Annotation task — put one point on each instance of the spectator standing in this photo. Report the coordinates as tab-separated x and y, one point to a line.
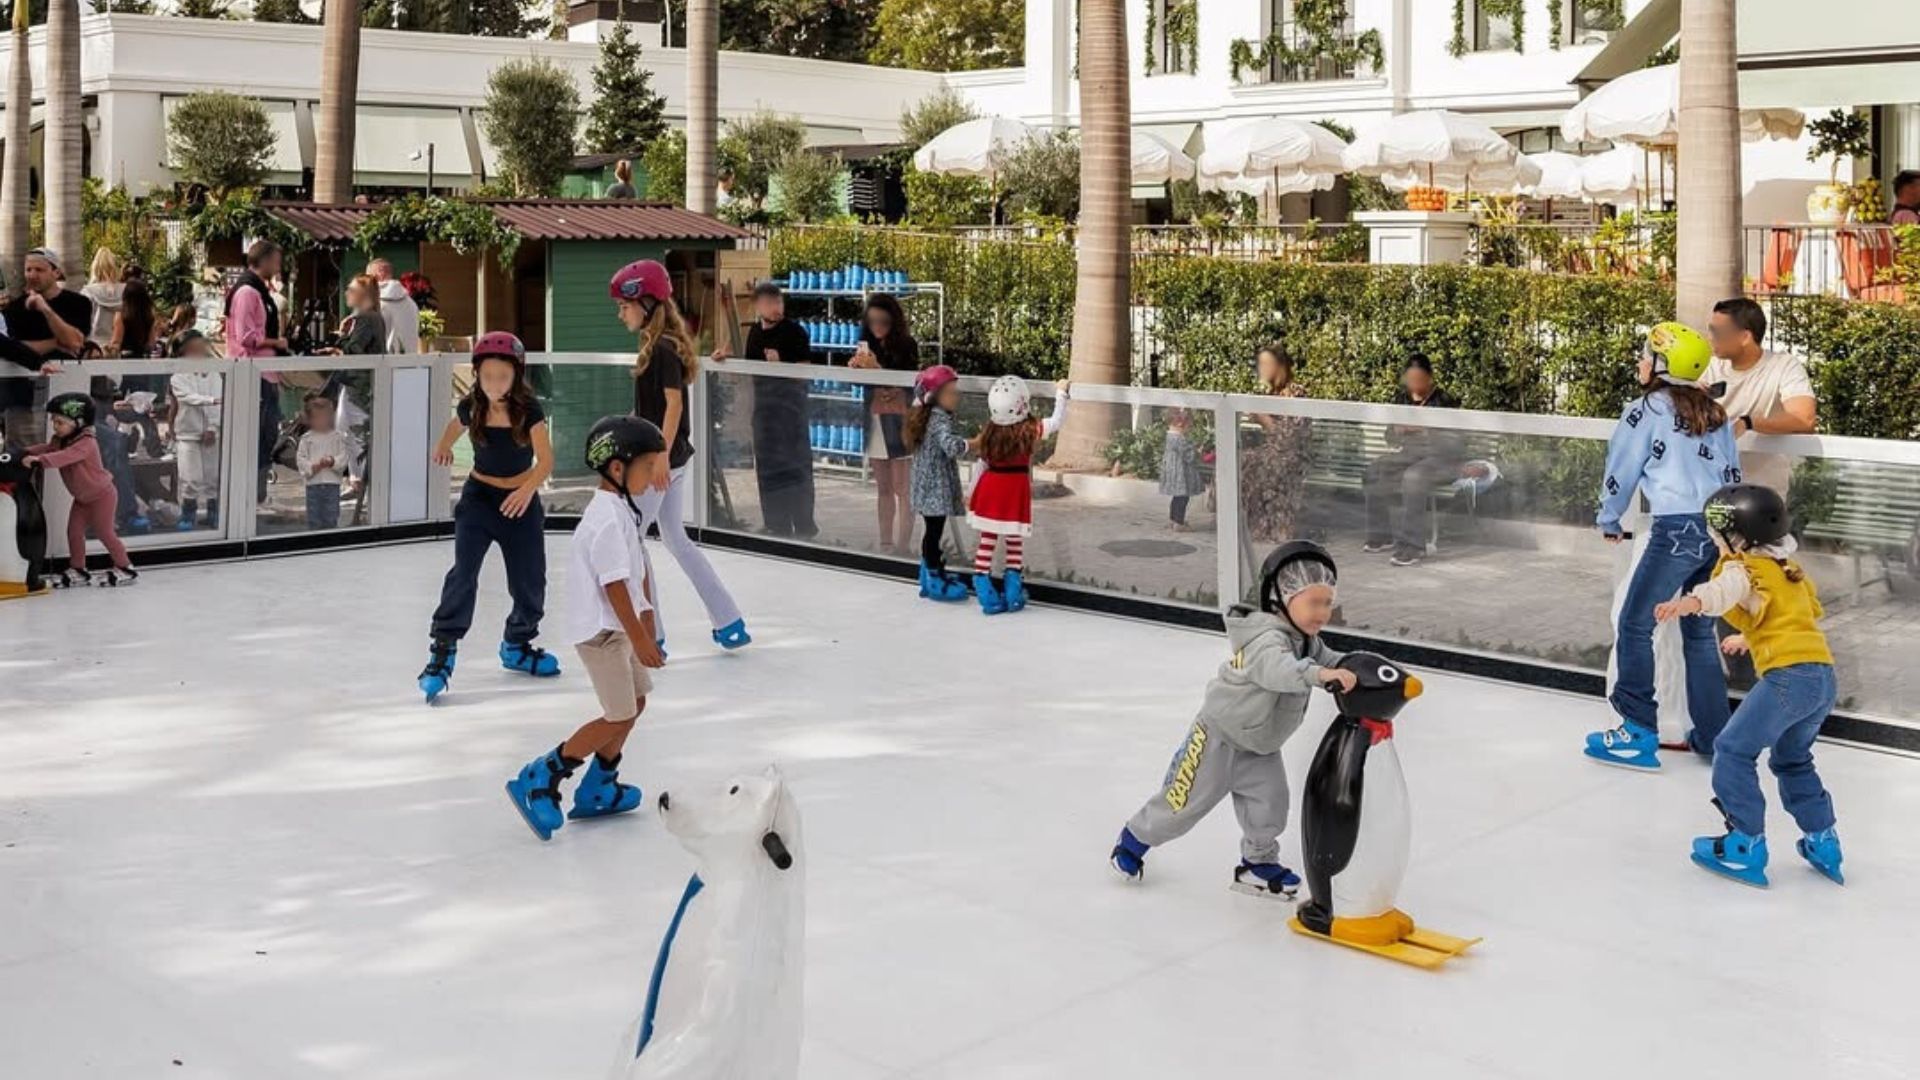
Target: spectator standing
326	458
398	308
1273	468
782	456
622	187
364	331
885	342
1423	458
196	432
1762	392
253	333
1906	198
105	288
133	330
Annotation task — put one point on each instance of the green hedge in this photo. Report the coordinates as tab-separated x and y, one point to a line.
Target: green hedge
1504	339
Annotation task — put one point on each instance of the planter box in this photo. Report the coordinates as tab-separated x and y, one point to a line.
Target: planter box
1416	237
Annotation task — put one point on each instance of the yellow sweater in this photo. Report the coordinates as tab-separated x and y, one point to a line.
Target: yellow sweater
1779	617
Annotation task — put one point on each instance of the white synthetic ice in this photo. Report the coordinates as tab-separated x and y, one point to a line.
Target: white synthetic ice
231	834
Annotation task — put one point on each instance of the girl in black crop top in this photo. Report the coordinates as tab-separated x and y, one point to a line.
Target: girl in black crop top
500	504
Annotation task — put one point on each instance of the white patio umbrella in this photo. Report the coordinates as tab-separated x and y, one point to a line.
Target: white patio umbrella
1274	156
1440	148
1517	178
1157	161
975	148
1559	175
1624	174
1643	107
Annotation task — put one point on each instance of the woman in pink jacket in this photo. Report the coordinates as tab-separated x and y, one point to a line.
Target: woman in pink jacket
76	453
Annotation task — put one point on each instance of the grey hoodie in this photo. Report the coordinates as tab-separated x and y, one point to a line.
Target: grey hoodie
1260	695
402	316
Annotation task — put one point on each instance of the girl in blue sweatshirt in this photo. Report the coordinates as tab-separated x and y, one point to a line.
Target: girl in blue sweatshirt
1675	447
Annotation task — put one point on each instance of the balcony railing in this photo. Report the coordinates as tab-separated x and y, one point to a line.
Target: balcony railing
1856	262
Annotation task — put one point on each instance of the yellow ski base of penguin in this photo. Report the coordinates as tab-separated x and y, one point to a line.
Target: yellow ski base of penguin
1422	948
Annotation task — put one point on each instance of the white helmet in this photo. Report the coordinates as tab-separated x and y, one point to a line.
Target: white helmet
1009	401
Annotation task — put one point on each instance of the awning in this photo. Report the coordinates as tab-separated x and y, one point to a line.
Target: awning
326	224
387	136
286	159
1647	33
576	219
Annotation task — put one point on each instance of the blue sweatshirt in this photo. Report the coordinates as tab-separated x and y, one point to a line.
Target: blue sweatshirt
1650	450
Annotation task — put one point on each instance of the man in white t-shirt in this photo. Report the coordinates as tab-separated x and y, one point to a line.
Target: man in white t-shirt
1764	392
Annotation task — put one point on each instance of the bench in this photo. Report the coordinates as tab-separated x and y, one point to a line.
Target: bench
1342	452
1874	513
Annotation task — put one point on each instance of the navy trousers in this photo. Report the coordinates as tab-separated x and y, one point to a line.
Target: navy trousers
477	525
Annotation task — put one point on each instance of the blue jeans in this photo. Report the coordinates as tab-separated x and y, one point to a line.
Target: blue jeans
323	506
1680	556
1783	712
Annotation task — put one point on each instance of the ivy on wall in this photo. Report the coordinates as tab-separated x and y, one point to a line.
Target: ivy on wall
1319	34
1183	32
466	226
1601	15
1515	11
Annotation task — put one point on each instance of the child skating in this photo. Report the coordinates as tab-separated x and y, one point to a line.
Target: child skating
499	504
75	451
1252	706
1764	594
1673	445
611	625
668	362
935	487
1180	475
1001	509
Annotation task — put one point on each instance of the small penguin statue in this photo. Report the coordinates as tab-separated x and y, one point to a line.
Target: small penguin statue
23	527
1356	825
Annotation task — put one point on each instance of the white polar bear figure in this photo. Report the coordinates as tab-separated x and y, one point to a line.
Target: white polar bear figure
724	1001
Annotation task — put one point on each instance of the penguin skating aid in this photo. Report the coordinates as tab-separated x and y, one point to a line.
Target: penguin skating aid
1356	826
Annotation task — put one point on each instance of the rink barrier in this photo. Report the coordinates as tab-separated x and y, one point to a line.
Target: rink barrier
412	397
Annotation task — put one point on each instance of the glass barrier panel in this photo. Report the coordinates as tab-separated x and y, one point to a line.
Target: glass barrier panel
316	432
574	397
1463	539
23	403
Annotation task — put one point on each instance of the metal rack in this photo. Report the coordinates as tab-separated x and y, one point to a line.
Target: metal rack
936	290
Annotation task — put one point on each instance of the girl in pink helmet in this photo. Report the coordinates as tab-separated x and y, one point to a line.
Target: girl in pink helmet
935	486
668	361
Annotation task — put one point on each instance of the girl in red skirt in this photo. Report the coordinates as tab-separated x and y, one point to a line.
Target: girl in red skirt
1002	504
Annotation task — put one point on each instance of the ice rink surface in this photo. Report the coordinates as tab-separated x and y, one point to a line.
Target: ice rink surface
233	843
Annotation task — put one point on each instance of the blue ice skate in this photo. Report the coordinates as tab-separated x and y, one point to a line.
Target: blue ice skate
528	658
536	793
1822	852
733	636
600	792
1628	745
938	587
1129	856
1736	855
1016	591
439	670
1265	879
984	590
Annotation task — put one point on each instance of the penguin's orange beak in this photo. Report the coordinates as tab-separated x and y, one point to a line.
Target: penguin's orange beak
1412	688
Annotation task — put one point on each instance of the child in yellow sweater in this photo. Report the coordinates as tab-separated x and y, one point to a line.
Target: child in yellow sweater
1764	594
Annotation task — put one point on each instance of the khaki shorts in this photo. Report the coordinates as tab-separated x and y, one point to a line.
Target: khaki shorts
618	679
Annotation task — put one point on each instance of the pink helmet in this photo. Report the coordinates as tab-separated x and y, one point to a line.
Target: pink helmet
643	278
500	345
933	380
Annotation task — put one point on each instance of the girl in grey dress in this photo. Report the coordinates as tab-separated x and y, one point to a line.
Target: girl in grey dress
1180	474
934	488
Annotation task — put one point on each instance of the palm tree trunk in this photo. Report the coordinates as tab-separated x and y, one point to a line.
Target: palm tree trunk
1709	263
15	182
1102	346
339	100
703	102
63	167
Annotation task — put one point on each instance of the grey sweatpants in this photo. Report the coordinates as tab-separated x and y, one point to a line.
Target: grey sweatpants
1206	769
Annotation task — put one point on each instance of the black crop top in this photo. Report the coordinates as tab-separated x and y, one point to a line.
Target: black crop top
494	451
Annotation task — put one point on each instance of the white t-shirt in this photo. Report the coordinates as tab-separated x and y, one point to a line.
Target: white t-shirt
606	549
1761	392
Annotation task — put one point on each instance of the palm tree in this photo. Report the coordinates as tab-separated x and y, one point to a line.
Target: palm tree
1709	263
339	97
1102	346
61	178
16	183
703	101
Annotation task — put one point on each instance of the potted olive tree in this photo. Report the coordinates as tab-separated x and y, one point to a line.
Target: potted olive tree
1841	135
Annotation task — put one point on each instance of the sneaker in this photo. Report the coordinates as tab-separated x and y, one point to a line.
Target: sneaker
69	578
1408	557
119	577
1377	547
1627	745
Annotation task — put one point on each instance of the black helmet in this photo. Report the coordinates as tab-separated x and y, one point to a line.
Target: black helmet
75	407
1748	515
1271	601
621	438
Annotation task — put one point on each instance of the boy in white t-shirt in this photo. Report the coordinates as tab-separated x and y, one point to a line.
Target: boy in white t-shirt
1764	392
326	457
612	626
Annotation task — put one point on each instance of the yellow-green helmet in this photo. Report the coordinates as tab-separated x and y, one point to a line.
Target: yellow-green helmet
1680	354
